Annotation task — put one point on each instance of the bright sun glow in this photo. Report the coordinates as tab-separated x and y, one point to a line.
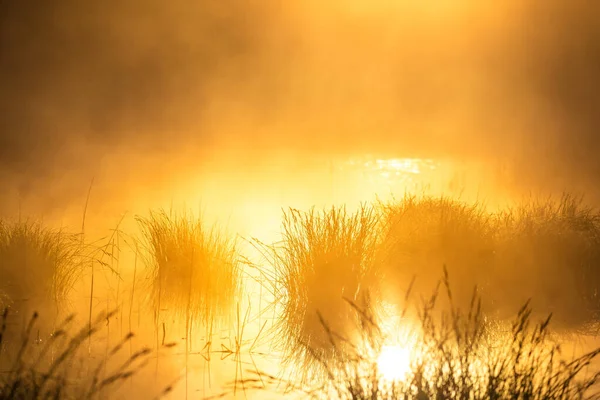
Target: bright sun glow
394	362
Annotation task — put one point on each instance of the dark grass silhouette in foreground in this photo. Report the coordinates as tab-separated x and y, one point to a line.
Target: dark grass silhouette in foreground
536	249
455	355
56	369
545	250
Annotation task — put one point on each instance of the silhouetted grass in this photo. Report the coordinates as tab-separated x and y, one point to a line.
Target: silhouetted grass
194	270
326	275
322	257
454	355
38	265
54	369
422	233
549	250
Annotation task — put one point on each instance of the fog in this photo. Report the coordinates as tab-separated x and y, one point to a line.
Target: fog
138	93
240	107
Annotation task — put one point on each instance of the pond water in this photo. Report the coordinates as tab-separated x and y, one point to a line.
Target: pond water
248	201
252	203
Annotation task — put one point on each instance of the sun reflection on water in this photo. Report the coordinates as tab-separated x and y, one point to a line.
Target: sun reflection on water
252	202
394	362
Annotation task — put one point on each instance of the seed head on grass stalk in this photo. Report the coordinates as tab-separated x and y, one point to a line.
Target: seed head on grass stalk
194	271
323	258
38	265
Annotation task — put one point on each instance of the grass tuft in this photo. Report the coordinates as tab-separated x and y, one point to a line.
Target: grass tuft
556	246
420	234
323	257
38	265
194	271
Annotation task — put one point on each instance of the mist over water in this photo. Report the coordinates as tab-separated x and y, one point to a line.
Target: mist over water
238	108
139	94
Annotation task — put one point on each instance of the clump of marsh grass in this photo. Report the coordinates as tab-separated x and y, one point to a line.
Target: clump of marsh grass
194	271
53	370
556	245
457	355
322	258
422	233
38	265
